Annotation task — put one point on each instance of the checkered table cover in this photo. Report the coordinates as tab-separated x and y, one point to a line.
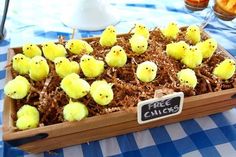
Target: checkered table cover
210	136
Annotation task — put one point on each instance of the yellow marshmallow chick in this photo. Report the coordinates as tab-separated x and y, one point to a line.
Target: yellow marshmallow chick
187	77
64	66
140	29
20	63
108	37
116	57
138	44
39	68
101	92
193	34
52	50
207	47
27	117
171	31
77	46
146	71
18	88
75	111
177	50
90	66
192	58
30	50
74	86
225	70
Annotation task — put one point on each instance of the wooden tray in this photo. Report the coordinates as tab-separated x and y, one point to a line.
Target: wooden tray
112	124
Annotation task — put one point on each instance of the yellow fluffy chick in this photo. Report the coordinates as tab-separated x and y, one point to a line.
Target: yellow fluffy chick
30	50
140	29
192	58
64	66
177	50
193	34
101	92
225	70
52	50
27	122
116	57
138	43
17	88
39	68
171	31
28	110
75	111
77	46
187	77
90	66
108	37
74	86
146	71
20	63
207	47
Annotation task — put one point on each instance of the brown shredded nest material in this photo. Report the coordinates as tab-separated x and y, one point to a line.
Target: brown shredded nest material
49	98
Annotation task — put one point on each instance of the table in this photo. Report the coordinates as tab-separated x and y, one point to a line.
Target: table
213	135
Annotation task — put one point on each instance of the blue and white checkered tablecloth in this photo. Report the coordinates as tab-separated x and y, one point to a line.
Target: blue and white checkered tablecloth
210	136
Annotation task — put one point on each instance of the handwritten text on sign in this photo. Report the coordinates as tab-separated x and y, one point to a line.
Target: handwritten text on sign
159	108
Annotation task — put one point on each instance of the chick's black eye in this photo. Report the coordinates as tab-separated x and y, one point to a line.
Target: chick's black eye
106	96
146	68
82	60
89	59
14	92
21	58
31	45
120	50
143	46
195	48
113	31
46	45
27	48
186	81
100	94
152	69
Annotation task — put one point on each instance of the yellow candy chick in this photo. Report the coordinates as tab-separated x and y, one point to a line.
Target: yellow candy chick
193	34
108	37
30	50
52	50
75	111
146	71
77	46
74	86
177	50
225	70
17	88
20	63
64	66
28	110
39	68
90	66
116	57
192	57
187	77
171	31
138	44
207	47
27	122
140	29
101	92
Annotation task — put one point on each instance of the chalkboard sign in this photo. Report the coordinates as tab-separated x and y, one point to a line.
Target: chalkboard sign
159	108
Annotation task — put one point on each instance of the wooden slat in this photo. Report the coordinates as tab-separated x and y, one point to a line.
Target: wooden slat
97	134
98	122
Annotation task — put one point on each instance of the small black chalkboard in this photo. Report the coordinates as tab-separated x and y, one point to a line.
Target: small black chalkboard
159	108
